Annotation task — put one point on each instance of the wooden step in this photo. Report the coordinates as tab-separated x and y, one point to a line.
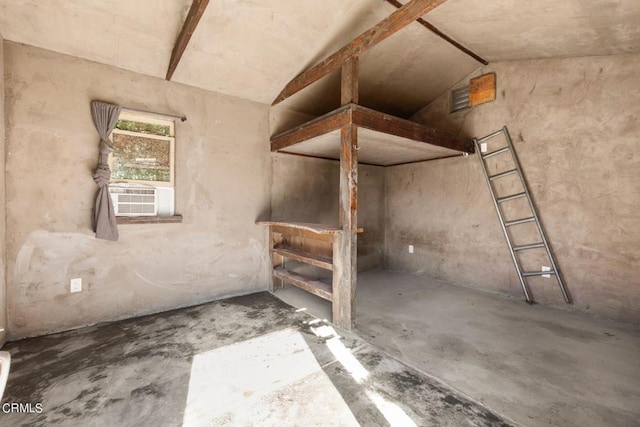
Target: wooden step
316	287
307	258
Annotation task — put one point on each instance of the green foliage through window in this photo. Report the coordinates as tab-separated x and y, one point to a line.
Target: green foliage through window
140	158
133	126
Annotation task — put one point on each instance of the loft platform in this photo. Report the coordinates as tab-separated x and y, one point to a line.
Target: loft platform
383	139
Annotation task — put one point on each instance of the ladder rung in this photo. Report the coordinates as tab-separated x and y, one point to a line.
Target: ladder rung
494	153
511	197
496	133
531	246
537	273
519	221
503	174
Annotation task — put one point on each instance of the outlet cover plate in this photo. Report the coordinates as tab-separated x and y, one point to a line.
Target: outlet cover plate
75	285
545	268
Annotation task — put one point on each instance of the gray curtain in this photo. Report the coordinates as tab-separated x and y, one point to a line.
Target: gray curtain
105	117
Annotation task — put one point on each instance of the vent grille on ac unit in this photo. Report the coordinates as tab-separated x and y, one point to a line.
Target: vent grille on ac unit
134	201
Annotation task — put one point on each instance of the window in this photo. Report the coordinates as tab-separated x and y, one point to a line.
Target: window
459	99
142	166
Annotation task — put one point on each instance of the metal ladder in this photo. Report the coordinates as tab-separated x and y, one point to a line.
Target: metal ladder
506	224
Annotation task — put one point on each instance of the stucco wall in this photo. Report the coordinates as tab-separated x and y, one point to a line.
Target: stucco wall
3	314
576	130
306	190
222	186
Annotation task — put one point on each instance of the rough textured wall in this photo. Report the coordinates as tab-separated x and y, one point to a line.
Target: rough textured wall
222	186
306	190
575	127
3	305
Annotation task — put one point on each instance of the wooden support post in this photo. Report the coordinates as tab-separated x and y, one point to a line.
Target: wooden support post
349	86
346	243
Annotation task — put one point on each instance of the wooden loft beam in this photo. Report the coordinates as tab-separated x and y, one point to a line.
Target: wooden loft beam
365	41
329	122
442	35
371	119
188	28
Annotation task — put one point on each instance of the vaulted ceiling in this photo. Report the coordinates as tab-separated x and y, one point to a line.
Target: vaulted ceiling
252	48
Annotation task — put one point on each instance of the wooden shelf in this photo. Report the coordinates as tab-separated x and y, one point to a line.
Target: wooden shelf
316	287
313	228
321	246
305	257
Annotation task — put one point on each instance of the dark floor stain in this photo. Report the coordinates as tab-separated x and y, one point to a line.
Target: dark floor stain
452	400
406	379
163	350
493	419
97	377
255	314
113	401
148	390
372	360
224	335
91	404
87	392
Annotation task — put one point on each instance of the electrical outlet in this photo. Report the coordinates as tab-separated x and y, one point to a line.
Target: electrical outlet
75	285
410	249
483	147
545	268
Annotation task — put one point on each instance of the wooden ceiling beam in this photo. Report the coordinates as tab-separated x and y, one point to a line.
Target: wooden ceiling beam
188	28
443	36
393	23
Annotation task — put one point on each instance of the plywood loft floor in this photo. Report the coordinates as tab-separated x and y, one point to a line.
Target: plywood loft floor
250	360
537	365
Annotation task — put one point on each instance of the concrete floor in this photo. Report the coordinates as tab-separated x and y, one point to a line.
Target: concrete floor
251	360
536	365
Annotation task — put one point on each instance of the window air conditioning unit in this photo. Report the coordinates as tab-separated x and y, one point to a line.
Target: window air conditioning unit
134	200
142	200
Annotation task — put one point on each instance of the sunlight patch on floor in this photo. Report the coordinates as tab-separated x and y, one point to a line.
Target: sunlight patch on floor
269	381
393	413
